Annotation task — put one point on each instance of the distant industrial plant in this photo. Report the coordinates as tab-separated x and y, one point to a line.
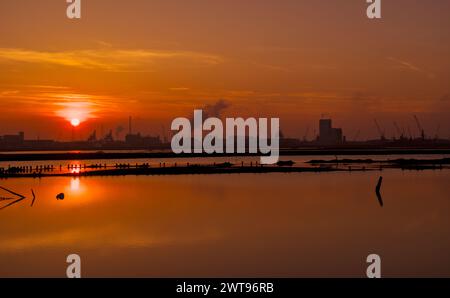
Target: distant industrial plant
328	137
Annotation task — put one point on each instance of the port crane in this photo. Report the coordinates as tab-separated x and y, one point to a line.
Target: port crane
380	131
305	137
419	126
400	132
438	129
356	137
409	133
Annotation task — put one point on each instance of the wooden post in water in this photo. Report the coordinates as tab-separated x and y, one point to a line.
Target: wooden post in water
378	191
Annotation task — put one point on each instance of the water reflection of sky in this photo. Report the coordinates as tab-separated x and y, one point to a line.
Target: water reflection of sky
309	224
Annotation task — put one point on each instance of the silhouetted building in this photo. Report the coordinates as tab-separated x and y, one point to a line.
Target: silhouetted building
13	139
138	140
32	144
14	142
329	135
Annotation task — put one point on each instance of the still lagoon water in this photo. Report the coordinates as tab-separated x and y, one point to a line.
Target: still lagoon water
264	225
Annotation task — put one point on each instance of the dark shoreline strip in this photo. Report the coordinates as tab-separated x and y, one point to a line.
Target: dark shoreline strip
155	155
211	170
193	170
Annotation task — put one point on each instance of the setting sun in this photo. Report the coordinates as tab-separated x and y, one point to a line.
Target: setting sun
75	122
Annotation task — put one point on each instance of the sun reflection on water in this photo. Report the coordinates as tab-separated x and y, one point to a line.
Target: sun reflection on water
75	184
75	170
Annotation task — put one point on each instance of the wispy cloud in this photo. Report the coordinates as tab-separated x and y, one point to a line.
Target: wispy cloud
405	64
411	67
60	101
104	44
179	89
107	59
8	93
49	87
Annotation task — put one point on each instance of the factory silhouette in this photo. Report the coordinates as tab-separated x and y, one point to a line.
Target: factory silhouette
328	137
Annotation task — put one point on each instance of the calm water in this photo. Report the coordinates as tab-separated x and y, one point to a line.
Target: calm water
274	225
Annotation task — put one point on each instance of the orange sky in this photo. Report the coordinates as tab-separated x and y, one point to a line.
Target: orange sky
159	59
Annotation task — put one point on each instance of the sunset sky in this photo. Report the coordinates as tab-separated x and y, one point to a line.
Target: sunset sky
157	60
